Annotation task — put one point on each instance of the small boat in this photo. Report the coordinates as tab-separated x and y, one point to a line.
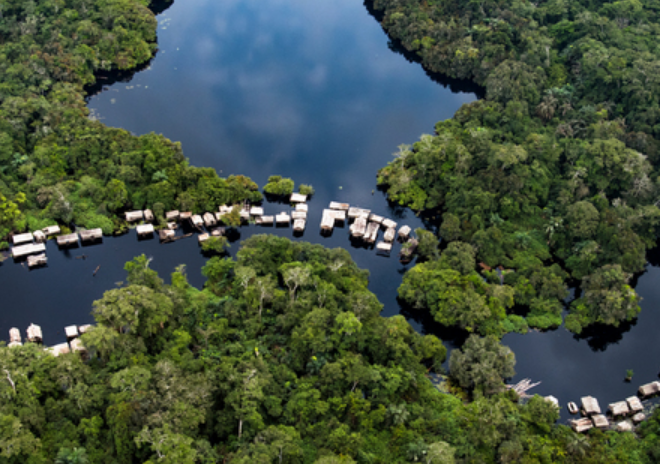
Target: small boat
572	408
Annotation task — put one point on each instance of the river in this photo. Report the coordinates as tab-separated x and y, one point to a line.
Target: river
313	91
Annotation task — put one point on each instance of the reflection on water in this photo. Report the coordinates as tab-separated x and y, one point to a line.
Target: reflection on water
312	91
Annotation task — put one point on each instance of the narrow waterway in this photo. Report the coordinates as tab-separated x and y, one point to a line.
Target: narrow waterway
315	92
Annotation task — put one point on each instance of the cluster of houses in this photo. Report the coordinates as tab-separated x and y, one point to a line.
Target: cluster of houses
622	415
35	335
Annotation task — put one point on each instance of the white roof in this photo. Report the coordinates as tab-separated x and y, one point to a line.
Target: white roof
298	198
22	238
24	250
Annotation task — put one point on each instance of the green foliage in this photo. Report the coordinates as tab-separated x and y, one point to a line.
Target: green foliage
279	186
215	245
306	189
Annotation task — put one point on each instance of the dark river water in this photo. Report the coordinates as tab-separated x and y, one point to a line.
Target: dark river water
313	91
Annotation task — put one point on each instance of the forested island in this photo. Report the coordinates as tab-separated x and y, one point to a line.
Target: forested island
551	180
283	356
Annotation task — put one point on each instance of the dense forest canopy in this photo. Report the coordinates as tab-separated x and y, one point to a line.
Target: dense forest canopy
56	164
281	358
552	178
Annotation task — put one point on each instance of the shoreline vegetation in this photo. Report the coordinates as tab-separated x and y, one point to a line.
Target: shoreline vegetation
549	180
58	165
283	357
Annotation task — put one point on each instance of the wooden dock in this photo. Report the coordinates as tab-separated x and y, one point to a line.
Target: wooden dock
29	249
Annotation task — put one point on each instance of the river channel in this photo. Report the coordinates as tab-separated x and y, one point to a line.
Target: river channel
313	91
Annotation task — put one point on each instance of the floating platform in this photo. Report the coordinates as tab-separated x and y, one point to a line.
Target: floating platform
266	220
282	219
298	198
209	220
148	215
33	333
355	213
22	238
91	235
600	421
37	260
172	215
134	216
389	235
590	405
30	249
166	234
59	349
634	404
582	425
388	223
14	335
404	232
649	389
376	218
384	247
620	408
145	230
67	240
299	215
197	221
51	230
339	206
256	211
371	233
299	225
302	207
71	331
327	221
359	227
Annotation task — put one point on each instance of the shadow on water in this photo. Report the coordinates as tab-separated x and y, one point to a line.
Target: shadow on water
395	45
600	336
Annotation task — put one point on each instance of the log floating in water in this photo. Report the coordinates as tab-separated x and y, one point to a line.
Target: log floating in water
96	270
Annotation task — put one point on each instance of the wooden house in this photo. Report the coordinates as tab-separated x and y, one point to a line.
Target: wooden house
22	238
134	216
298	198
145	230
29	249
91	235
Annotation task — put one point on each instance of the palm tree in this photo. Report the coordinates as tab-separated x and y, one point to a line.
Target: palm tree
72	456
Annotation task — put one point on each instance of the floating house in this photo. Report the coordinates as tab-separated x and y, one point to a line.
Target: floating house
22	238
91	235
339	206
582	425
218	231
186	215
67	240
33	333
600	421
209	220
282	219
301	207
166	234
197	221
37	260
625	426
389	234
39	236
371	233
133	216
59	349
404	232
388	223
590	405
299	225
201	238
376	218
327	220
649	389
639	417
359	227
620	408
634	404
298	198
148	215
298	215
51	230
384	247
145	230
71	331
354	213
266	220
29	249
84	328
14	335
256	211
77	346
172	215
